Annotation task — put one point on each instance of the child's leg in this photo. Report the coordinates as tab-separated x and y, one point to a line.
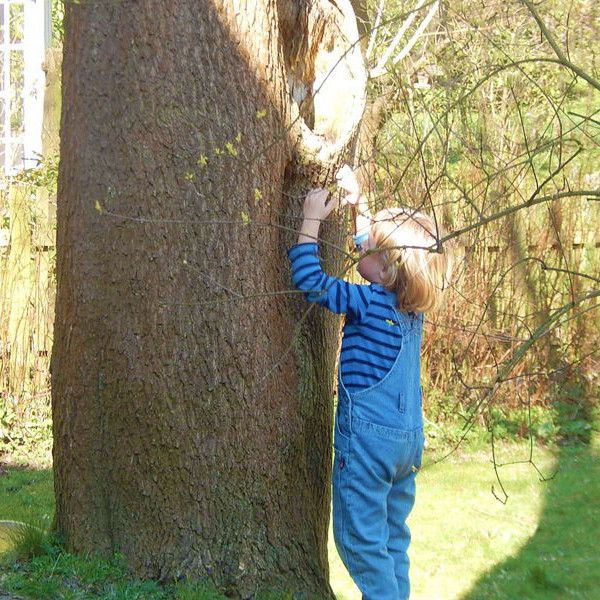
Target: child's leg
400	502
361	482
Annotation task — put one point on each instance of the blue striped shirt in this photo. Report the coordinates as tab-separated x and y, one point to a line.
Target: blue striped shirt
372	335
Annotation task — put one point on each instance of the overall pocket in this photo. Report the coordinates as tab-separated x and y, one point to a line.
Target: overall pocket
383	432
341	440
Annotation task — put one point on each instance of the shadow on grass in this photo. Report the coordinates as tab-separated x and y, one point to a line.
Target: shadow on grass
561	560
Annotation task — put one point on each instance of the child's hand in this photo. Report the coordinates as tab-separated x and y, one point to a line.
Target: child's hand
346	179
316	206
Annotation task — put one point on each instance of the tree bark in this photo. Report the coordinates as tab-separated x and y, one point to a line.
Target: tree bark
192	405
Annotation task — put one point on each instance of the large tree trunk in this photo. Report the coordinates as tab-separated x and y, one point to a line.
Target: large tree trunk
192	406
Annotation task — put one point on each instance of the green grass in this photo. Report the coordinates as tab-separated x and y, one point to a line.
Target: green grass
560	559
26	496
539	545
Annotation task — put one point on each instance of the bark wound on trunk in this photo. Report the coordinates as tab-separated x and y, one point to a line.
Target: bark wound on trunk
192	407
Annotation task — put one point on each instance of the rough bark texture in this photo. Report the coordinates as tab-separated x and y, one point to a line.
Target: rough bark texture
192	407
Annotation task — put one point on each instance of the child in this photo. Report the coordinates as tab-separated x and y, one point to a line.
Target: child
379	425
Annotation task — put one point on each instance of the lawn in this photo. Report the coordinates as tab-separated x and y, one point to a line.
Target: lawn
540	544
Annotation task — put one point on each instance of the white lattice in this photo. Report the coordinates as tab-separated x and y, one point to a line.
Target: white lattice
24	36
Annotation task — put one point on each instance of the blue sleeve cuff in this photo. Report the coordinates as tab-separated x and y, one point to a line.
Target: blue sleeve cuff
359	239
304	248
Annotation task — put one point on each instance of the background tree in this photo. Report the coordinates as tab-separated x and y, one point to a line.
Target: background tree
191	397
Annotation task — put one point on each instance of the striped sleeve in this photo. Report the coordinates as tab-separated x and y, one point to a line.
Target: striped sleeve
337	295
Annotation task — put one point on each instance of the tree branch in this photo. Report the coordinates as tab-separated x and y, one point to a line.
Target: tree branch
554	45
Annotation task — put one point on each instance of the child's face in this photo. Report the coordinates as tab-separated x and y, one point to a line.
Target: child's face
371	266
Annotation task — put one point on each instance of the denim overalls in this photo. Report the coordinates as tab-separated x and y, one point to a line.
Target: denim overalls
378	447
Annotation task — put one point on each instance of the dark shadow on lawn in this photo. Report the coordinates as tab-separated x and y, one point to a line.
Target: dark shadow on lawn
561	561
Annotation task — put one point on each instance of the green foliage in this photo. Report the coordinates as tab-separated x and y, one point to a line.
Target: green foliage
58	15
45	175
54	573
24	541
564	422
26	437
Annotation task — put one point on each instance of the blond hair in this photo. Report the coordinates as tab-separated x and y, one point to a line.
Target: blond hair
417	267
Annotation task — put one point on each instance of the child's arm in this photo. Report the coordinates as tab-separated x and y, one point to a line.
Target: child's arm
335	294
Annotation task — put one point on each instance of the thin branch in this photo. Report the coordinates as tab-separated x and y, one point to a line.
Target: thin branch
563	59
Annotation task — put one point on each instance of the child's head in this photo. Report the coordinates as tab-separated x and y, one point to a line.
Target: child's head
407	258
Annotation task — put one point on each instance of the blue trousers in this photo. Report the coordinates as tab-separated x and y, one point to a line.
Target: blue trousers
378	444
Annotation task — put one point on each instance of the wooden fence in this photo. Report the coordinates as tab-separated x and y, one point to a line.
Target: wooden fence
28	283
27	288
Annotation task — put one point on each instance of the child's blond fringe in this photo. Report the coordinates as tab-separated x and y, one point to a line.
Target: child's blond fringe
418	268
